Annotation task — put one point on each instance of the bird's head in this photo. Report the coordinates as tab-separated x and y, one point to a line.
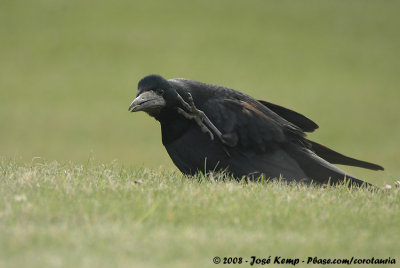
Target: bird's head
154	93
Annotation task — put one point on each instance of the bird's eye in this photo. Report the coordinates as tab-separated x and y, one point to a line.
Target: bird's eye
160	91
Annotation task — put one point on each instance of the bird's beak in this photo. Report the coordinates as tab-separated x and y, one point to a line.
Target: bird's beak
147	101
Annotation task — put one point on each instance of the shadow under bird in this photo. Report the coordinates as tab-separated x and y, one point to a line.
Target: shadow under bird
207	128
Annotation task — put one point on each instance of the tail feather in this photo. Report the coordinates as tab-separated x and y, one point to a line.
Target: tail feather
337	158
320	170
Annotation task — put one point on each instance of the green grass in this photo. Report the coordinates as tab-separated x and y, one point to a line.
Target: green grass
69	70
72	215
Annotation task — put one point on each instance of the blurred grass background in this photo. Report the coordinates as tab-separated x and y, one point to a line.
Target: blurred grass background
69	70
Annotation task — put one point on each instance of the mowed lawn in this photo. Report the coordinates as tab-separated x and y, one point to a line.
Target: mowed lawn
71	152
109	216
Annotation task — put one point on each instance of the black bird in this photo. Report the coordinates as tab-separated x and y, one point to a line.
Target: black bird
208	128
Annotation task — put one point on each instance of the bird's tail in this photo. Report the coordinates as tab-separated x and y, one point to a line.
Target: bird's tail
321	171
337	158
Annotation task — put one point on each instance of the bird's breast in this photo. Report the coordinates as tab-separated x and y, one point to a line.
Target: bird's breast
194	151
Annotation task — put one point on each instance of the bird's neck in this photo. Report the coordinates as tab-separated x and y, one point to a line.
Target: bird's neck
173	126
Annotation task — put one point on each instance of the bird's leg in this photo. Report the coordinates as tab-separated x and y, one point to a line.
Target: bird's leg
200	117
195	117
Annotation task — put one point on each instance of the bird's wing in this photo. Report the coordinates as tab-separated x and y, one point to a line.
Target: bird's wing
306	124
250	125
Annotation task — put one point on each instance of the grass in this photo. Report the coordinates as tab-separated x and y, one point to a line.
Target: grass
71	215
69	70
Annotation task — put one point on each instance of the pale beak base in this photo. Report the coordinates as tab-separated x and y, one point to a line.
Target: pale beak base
148	101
